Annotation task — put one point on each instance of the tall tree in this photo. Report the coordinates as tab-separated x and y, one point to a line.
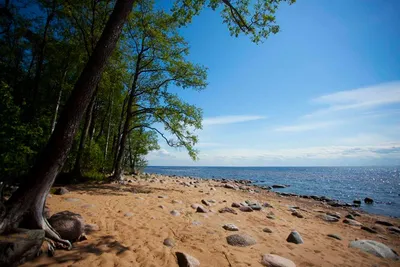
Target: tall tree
28	201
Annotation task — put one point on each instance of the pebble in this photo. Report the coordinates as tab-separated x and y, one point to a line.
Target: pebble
235	205
294	237
352	222
241	240
245	209
205	202
176	201
195	205
272	260
128	214
335	236
72	199
230	227
175	213
226	209
267	205
267	230
297	214
201	209
169	242
162	196
349	216
328	218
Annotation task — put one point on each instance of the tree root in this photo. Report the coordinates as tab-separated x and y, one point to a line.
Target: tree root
52	235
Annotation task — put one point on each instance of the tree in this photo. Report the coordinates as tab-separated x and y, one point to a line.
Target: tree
28	201
159	62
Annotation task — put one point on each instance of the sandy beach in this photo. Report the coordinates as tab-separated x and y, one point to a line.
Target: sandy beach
134	220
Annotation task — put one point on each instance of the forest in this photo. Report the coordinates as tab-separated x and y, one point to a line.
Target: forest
85	90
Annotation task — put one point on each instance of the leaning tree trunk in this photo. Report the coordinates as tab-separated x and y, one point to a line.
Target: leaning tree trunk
28	201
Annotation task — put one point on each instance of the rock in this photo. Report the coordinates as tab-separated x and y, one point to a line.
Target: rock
86	206
176	201
335	236
357	201
375	248
279	186
169	242
162	196
61	191
328	218
352	222
185	260
195	205
240	240
128	214
350	216
245	209
271	217
272	260
72	199
213	201
365	228
205	202
196	223
201	209
267	205
368	200
46	212
69	225
379	229
267	230
297	214
255	206
230	227
355	213
90	228
235	205
385	223
294	237
394	229
175	213
231	186
212	189
16	248
161	206
226	209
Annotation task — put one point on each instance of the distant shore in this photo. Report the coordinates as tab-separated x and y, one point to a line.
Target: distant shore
147	220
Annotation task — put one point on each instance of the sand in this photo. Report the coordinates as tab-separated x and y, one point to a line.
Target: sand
134	220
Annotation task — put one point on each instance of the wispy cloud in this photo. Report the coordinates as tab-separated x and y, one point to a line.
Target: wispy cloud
306	126
230	119
368	97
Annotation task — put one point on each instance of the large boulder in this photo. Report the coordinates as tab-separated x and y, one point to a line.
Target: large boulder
271	260
69	225
375	248
16	248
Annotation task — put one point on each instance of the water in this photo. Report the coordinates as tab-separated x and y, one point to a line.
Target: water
342	183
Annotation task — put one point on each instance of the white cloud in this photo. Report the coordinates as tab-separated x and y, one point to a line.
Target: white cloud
367	98
306	126
230	119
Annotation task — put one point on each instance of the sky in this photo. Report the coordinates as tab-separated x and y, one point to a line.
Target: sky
324	91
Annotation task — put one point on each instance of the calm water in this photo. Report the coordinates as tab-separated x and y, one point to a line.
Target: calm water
342	183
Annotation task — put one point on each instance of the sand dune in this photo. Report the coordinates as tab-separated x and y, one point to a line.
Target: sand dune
133	226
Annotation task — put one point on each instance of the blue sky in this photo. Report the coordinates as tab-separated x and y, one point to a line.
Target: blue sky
323	91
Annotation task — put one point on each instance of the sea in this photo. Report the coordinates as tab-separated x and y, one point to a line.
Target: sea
342	183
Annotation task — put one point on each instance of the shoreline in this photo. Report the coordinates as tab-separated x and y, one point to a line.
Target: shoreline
136	216
330	201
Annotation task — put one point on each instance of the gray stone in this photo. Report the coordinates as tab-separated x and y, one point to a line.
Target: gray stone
370	230
169	242
385	223
230	227
334	214
235	205
61	191
352	222
255	206
297	214
201	209
335	236
128	214
328	218
69	225
205	202
213	201
271	260
16	248
228	210
245	209
240	240
375	248
294	237
186	260
175	213
394	229
231	186
267	230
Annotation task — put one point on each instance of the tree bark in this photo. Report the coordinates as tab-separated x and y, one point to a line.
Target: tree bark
28	200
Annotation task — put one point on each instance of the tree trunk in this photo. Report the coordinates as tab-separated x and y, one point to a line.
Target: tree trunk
28	201
77	171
